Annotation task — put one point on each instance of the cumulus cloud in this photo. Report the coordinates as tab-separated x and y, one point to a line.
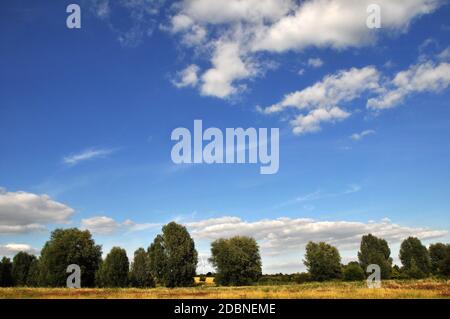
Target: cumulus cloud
103	225
228	66
22	212
86	155
245	28
422	77
320	101
187	77
10	250
361	135
284	234
338	23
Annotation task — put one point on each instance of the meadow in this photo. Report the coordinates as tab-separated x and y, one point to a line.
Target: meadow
391	289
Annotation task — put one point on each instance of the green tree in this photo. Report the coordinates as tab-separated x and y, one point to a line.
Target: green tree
20	268
415	258
374	250
66	247
322	261
439	253
157	260
353	272
237	261
140	275
114	269
6	278
34	274
173	258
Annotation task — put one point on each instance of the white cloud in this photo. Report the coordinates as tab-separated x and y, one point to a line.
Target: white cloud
228	66
22	212
338	23
445	55
10	250
360	136
86	155
281	235
334	89
423	77
315	62
187	77
103	225
310	122
231	33
320	101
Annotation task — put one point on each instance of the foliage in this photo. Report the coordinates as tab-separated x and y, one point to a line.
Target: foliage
236	260
440	259
66	247
140	275
375	250
322	261
34	274
114	269
415	258
21	267
353	272
6	278
172	257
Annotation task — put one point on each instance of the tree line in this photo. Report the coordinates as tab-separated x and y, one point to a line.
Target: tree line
171	261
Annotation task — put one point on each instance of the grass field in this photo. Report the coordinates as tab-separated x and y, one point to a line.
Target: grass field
329	290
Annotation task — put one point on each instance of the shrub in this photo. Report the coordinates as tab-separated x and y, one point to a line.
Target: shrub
353	272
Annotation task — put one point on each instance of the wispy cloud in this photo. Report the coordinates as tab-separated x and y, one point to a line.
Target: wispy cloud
360	136
86	155
353	188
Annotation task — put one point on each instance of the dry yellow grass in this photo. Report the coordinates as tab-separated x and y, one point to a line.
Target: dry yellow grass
328	290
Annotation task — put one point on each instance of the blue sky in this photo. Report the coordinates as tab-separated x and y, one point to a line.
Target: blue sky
86	116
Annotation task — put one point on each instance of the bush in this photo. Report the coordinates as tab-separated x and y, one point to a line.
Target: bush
302	278
353	272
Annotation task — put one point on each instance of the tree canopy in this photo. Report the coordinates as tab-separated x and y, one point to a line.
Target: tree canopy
66	247
374	250
173	257
237	260
322	261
